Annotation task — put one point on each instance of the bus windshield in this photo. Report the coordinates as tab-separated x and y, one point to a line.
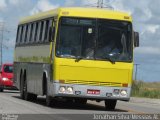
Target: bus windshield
97	39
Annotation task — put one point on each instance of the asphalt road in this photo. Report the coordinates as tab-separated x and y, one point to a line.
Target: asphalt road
10	103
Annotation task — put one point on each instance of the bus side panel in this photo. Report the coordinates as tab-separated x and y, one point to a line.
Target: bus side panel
33	60
34	76
16	70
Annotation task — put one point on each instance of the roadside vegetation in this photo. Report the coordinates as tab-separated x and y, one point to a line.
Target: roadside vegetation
146	89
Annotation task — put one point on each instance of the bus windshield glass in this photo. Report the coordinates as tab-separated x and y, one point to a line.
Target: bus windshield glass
97	39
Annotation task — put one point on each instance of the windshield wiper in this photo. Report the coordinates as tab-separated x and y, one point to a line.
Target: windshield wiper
78	59
110	59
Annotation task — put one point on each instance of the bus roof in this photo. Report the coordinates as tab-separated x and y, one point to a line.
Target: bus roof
79	12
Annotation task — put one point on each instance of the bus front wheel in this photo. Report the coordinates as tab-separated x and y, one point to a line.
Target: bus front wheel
48	101
110	104
80	101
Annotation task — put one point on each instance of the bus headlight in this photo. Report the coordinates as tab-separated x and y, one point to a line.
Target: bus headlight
116	92
69	90
62	89
123	93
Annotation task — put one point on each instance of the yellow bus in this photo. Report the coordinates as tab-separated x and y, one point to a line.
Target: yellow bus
77	54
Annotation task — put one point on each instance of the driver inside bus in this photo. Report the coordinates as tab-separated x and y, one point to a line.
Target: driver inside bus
110	47
124	54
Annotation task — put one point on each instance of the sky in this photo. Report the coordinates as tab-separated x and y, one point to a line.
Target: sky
146	20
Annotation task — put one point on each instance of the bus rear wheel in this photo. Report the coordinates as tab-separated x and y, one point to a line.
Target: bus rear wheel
110	104
28	96
21	86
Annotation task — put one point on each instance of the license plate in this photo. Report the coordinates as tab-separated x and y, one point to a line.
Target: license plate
93	92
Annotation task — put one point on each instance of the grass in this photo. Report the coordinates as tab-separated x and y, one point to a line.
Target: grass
146	89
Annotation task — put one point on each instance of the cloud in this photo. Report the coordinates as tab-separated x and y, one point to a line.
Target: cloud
70	3
149	50
153	5
92	3
1	20
9	43
3	4
148	69
43	5
152	28
14	2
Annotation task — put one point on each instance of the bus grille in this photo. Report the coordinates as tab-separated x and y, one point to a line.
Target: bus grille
93	83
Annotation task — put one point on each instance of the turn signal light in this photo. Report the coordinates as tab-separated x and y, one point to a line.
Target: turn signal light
125	85
61	81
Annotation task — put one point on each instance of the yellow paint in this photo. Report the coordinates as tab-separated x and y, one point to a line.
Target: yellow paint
90	72
79	12
99	73
95	13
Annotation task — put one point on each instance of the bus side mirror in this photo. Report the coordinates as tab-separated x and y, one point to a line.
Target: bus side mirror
136	39
51	34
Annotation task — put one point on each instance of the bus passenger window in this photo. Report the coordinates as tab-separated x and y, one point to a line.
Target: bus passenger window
21	34
46	30
28	33
48	25
41	31
38	32
25	34
18	34
31	35
34	33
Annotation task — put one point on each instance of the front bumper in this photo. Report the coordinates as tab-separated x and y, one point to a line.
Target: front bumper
8	85
104	90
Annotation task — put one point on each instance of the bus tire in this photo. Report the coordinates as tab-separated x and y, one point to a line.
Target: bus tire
33	97
80	101
28	96
70	101
21	86
49	99
110	104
